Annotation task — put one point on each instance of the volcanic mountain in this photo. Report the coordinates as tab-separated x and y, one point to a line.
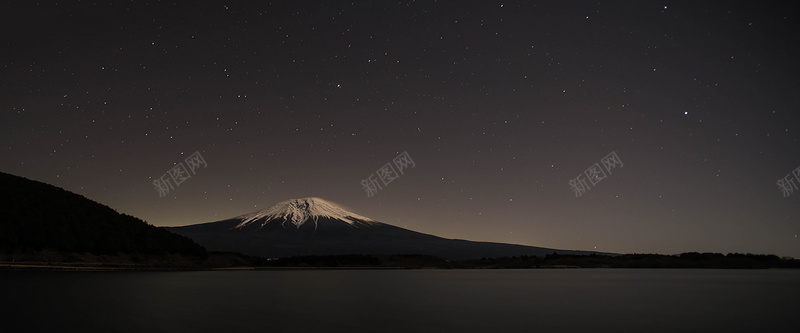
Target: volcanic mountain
313	226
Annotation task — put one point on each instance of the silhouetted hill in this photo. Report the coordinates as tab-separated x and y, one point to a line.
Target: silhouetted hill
35	216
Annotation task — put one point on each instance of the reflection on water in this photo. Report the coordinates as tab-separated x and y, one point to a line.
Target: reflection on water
580	300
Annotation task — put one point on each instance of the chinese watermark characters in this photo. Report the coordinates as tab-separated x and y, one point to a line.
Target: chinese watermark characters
594	174
387	173
787	184
179	174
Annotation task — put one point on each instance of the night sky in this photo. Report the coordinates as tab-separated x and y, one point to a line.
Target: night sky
500	104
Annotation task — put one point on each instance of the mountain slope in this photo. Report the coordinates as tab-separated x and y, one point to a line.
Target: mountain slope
36	216
312	226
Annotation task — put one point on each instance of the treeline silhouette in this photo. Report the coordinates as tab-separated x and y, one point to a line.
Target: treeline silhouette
555	260
684	260
358	260
35	216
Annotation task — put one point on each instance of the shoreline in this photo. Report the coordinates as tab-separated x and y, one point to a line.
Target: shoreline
77	267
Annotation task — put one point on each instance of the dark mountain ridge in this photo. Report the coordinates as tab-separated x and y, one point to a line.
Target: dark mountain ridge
35	216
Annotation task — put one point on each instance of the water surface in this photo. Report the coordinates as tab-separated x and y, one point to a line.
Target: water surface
568	300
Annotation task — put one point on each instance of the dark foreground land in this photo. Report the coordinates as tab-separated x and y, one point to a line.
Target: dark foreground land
235	261
685	260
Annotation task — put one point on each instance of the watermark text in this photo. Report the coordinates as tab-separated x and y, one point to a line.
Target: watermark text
387	173
179	174
594	174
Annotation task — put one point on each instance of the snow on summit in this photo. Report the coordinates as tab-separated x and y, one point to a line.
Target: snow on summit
298	211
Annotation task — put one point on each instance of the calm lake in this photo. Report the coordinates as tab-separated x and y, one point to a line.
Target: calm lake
543	300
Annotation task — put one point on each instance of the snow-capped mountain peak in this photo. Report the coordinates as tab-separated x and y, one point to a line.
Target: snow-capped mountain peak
299	211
